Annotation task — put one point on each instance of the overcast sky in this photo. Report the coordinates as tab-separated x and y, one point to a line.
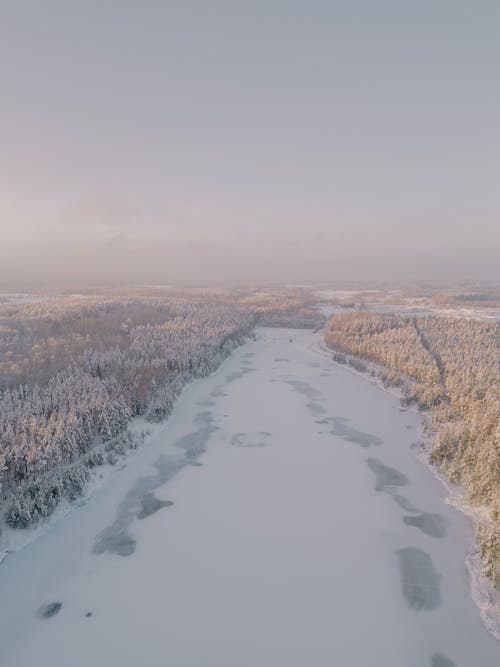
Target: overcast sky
175	141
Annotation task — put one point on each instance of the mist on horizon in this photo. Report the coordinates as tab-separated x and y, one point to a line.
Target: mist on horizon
232	142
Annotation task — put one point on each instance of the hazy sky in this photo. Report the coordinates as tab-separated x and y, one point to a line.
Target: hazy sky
249	140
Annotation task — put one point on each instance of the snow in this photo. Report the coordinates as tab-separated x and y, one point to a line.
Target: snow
379	301
277	551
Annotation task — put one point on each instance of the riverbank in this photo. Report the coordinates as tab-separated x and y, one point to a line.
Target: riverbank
309	534
485	596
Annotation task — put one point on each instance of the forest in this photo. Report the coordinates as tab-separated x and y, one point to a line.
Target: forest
451	367
75	370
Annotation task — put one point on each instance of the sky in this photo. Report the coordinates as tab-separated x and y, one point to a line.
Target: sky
249	141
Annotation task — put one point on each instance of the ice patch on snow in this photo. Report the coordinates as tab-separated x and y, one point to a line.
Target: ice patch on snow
440	660
252	439
346	432
237	375
419	579
49	610
315	409
304	388
116	537
194	443
151	504
385	476
430	524
404	503
218	392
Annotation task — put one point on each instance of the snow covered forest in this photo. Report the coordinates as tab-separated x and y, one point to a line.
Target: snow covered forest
450	366
75	370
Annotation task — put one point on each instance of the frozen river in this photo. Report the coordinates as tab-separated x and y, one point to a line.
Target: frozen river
280	518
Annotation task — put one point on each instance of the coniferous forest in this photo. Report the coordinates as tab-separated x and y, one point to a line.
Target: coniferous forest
449	366
75	371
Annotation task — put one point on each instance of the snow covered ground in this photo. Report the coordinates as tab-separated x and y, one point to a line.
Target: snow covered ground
279	518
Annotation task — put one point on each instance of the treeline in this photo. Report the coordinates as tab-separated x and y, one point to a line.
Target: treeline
451	366
74	372
294	309
40	338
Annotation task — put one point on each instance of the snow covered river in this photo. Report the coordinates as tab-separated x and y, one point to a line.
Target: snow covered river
280	518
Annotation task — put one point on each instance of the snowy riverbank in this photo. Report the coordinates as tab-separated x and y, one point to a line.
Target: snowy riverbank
482	592
309	534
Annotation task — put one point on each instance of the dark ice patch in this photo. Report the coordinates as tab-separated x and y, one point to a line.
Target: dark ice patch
236	375
251	439
49	610
207	403
218	392
122	544
89	614
151	504
346	432
203	418
194	443
430	524
404	503
118	542
315	409
386	477
115	538
420	579
304	388
440	660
